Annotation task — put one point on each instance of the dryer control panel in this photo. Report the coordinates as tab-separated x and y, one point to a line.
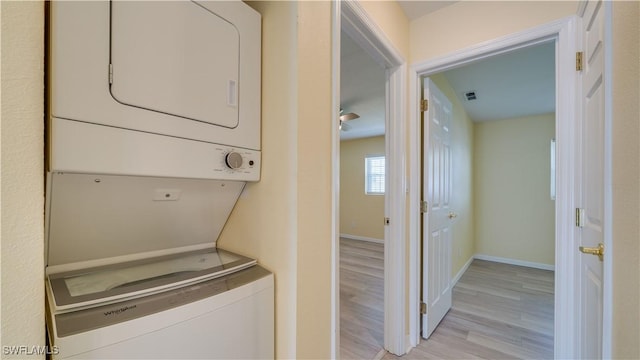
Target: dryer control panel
236	164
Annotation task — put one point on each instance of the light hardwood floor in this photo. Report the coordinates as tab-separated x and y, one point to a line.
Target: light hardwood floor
361	299
499	311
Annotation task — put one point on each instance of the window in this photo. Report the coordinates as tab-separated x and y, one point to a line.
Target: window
374	168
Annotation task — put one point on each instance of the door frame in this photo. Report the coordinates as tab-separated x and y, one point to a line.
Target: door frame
564	33
350	16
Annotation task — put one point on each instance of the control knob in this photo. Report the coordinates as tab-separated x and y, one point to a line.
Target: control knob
233	160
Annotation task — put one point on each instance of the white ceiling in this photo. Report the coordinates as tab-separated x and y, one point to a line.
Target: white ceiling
518	83
362	91
515	84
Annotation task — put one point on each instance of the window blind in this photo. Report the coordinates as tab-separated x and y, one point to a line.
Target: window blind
374	175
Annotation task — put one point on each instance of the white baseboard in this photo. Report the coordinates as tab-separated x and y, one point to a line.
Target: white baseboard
461	272
407	341
530	264
362	238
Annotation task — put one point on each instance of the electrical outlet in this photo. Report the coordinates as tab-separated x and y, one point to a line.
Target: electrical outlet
167	194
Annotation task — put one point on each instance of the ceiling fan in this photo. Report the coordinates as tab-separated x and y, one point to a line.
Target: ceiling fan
346	117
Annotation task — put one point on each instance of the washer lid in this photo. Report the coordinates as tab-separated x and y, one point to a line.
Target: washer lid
106	284
98	217
177	58
80	321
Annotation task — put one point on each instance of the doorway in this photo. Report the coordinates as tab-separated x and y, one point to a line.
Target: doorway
493	200
362	202
351	18
562	33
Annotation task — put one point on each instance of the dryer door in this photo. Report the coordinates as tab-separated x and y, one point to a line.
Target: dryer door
176	58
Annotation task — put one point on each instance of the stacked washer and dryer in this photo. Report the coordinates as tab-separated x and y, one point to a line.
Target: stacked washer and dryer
153	132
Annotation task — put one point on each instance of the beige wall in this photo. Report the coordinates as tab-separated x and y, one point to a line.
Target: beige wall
390	18
315	181
626	183
285	219
468	23
478	157
22	182
462	141
360	214
263	223
514	213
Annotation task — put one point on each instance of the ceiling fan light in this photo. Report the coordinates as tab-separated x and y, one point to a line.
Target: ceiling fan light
349	116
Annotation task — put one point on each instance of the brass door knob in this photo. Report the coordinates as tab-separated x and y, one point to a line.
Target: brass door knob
599	251
452	215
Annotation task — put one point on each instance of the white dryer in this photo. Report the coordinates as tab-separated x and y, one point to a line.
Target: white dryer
155	88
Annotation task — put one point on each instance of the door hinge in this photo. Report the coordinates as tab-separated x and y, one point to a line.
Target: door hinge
579	217
424	105
110	74
423	308
387	221
424	207
579	61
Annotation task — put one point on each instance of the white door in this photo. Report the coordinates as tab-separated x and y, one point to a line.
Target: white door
591	198
436	223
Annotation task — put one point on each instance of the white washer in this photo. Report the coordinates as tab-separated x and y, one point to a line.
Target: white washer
229	317
134	271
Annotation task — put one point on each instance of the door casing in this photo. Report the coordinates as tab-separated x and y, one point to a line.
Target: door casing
564	33
350	16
